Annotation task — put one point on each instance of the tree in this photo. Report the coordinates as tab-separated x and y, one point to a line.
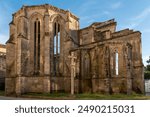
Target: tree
148	66
148	61
147	70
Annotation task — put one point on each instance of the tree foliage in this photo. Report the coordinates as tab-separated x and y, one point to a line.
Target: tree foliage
147	70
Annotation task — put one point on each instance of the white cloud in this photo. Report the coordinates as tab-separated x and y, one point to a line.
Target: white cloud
138	19
3	38
143	14
145	58
116	5
106	12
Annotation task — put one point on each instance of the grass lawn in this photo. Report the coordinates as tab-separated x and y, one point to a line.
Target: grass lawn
64	96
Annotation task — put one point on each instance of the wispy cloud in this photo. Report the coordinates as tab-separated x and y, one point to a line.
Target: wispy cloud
3	38
116	5
143	14
88	19
106	12
139	18
146	30
145	58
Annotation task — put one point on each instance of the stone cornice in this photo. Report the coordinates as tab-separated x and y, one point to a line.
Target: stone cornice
121	38
100	25
45	6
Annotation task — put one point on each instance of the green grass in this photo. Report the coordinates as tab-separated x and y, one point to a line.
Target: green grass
64	96
84	96
2	93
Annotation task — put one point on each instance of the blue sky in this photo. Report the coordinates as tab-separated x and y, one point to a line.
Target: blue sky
133	14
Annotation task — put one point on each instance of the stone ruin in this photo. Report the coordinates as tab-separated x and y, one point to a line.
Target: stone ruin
42	40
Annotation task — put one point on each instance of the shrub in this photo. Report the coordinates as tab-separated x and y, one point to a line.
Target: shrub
147	75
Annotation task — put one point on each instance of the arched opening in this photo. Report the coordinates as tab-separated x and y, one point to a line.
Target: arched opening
116	63
56	48
36	47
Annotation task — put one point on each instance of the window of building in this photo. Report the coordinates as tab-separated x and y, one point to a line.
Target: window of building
115	63
116	67
37	46
56	49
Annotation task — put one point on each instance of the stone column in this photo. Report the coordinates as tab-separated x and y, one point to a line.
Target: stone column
46	53
22	48
72	57
128	71
107	70
18	81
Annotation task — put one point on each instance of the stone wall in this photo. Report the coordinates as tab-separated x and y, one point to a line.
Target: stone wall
10	86
33	65
2	66
35	84
2	80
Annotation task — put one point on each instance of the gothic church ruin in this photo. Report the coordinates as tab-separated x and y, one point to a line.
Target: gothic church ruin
44	38
2	66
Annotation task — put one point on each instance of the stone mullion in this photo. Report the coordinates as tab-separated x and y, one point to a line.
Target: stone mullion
18	80
36	47
114	63
56	38
57	58
52	51
47	46
19	57
128	68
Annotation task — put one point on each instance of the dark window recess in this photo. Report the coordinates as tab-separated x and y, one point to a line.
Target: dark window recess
37	47
56	49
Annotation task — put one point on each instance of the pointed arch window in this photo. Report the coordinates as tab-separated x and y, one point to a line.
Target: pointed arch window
116	67
56	48
115	63
37	46
57	39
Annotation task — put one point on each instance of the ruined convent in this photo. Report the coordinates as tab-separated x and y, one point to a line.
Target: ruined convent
48	52
2	66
